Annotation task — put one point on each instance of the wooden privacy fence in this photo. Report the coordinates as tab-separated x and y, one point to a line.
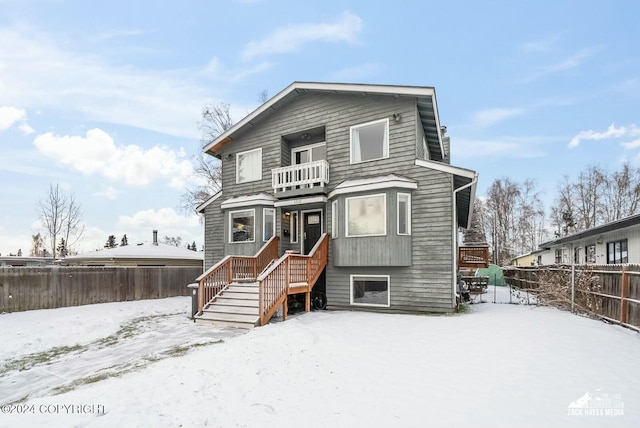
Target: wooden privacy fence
611	292
26	288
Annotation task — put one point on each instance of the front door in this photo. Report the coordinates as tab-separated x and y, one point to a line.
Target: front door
312	229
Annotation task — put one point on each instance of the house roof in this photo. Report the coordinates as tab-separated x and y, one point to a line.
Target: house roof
200	208
464	181
425	100
146	250
608	227
373	183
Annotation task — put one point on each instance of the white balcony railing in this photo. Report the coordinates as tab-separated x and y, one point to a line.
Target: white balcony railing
305	175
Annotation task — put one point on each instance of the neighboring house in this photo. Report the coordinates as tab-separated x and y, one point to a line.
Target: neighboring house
367	165
617	242
145	254
24	261
533	258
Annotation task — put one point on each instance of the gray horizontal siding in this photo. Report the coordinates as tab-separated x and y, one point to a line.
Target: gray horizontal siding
425	285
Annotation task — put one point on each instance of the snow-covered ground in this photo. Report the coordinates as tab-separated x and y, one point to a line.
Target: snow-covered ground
140	364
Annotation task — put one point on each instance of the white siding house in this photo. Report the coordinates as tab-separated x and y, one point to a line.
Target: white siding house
617	242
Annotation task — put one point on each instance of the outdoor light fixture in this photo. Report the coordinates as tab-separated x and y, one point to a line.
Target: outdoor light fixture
397	117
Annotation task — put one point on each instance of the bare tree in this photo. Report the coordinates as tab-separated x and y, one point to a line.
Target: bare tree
52	211
530	218
621	196
61	217
216	119
37	244
72	227
588	190
501	215
173	240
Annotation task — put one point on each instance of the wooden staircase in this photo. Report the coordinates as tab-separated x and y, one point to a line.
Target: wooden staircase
235	306
242	291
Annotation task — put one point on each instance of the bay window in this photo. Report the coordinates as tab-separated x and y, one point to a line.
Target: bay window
366	215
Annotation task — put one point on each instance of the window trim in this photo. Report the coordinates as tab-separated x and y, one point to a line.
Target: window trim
370	305
304	148
264	223
621	241
408	195
346	215
586	253
334	219
259	149
293	234
253	213
385	150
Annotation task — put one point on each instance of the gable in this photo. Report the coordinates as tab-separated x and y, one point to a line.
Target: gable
424	98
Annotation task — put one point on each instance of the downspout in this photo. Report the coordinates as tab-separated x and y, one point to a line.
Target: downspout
454	239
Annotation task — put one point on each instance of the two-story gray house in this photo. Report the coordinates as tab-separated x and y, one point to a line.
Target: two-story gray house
347	185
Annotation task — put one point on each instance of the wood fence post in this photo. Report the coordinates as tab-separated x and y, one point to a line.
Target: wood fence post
624	293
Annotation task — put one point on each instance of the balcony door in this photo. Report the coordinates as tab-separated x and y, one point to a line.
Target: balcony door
310	153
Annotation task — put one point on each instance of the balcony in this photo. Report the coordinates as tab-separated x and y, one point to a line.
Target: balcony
297	180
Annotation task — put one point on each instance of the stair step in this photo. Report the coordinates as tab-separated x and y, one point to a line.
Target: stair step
242	289
236	318
236	302
241	295
232	309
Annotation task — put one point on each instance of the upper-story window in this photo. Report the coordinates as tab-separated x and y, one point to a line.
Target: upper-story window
249	166
370	141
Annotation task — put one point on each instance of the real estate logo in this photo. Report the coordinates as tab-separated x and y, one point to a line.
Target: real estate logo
597	404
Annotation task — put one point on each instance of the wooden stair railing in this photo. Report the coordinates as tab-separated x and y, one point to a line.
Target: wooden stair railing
232	268
291	269
473	257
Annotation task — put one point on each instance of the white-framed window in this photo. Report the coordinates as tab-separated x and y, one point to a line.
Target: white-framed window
370	141
334	219
404	214
310	153
294	226
249	166
268	223
242	225
370	290
366	215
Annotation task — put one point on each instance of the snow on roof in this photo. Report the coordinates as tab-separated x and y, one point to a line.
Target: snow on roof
146	250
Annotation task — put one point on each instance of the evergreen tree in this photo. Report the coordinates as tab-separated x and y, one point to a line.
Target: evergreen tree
475	235
111	242
124	241
193	246
62	248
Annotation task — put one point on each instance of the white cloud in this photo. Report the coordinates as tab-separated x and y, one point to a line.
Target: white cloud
166	221
489	117
631	144
290	38
541	45
96	153
108	192
571	62
38	73
611	133
10	116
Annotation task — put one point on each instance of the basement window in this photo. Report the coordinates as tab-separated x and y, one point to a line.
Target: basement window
370	290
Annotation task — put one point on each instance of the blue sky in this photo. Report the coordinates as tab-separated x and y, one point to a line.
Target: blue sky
105	97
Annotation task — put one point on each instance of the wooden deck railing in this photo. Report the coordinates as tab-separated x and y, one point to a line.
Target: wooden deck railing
291	269
231	268
309	174
473	257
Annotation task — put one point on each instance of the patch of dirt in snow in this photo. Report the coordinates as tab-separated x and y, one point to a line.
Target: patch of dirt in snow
138	343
